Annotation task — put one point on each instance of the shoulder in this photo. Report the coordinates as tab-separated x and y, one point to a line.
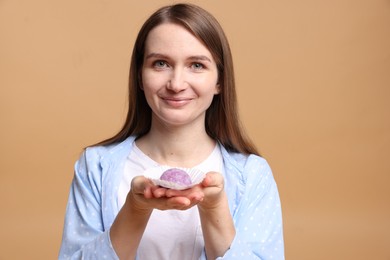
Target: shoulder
250	167
244	161
97	156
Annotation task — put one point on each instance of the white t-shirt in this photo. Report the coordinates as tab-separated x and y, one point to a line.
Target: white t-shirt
170	234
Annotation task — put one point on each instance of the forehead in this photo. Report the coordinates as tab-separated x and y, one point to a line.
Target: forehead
175	39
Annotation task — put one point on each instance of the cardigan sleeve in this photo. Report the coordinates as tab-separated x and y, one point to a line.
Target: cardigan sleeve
258	217
84	236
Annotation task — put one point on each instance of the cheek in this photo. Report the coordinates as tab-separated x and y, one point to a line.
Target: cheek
149	82
209	86
146	85
145	79
153	79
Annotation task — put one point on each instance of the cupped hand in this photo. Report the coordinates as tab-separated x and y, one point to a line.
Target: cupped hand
210	190
146	196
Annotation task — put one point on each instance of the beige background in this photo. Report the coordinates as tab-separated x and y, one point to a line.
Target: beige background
314	86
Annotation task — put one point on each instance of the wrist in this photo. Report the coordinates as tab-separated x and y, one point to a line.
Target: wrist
215	203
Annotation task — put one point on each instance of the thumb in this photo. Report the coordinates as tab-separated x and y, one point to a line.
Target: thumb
140	185
213	179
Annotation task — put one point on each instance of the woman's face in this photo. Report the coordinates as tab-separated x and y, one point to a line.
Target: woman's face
179	76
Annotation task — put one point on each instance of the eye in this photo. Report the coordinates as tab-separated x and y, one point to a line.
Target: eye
160	64
197	66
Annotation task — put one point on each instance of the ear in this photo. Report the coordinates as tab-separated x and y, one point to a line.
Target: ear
217	89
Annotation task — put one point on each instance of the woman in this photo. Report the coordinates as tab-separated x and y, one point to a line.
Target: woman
182	113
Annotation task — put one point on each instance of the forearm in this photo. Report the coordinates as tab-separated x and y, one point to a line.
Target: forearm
218	228
128	228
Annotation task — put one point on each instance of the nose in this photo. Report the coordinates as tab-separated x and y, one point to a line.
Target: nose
177	83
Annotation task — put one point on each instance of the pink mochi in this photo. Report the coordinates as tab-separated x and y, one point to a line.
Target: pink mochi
176	176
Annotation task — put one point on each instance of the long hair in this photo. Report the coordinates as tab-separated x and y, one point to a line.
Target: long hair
222	122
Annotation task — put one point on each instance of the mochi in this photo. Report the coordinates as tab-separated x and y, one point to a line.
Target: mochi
177	176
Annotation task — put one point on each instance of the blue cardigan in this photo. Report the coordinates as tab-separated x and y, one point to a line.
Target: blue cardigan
93	205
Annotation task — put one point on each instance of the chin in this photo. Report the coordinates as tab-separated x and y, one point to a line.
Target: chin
179	119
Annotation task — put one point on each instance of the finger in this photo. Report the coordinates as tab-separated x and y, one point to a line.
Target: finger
138	184
182	203
178	202
196	197
158	192
195	194
171	203
183	193
213	179
142	186
177	193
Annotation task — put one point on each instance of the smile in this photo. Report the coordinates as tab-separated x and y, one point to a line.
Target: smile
177	102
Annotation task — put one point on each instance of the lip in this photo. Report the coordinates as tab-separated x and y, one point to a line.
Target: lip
176	102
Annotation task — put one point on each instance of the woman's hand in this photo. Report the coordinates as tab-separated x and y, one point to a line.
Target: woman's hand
207	194
146	196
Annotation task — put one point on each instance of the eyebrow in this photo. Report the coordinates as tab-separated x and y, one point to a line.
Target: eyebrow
162	56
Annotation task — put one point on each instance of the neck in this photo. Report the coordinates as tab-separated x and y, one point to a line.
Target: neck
184	146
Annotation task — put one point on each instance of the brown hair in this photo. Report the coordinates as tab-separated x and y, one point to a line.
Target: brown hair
222	122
